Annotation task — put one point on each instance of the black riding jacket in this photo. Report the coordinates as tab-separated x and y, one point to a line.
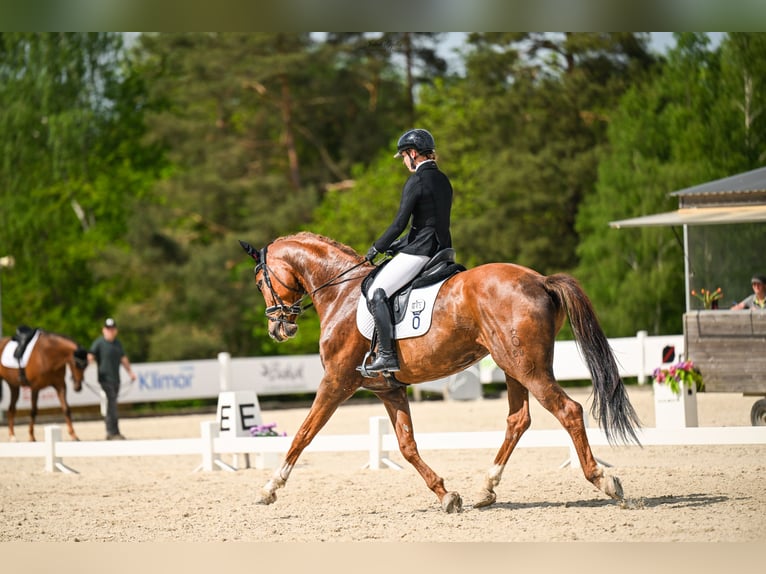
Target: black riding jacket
427	200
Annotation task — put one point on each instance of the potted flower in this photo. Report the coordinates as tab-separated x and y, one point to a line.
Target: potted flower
675	395
709	298
266	430
683	373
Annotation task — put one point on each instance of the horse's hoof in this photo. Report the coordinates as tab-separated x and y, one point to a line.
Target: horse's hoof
613	487
489	498
452	503
267	498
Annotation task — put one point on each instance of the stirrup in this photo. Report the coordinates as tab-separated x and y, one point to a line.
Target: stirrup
366	362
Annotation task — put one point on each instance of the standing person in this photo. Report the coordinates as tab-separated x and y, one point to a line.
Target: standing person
427	202
107	351
758	299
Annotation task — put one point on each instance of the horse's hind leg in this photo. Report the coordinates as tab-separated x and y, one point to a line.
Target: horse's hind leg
398	408
570	414
517	422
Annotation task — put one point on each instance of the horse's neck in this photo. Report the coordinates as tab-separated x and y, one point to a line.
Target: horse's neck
319	263
57	349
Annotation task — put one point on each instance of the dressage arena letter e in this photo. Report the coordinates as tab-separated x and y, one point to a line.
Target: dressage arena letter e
246	419
237	413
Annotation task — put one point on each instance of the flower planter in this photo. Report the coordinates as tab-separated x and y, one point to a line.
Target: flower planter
673	410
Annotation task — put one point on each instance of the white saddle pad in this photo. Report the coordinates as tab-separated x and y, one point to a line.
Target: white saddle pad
416	320
8	360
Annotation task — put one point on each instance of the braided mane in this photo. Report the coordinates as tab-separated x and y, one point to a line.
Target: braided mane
307	235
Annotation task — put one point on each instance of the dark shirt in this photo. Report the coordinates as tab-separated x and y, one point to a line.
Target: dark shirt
108	355
427	200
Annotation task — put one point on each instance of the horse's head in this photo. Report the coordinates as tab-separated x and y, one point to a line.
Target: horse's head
277	283
77	365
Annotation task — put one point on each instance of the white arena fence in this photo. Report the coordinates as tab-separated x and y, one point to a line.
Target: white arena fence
377	443
296	374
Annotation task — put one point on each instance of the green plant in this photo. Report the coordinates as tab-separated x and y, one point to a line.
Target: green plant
708	297
683	372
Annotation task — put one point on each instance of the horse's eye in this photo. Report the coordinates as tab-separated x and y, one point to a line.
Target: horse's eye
258	284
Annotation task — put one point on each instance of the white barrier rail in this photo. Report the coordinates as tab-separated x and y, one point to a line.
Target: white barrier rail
376	443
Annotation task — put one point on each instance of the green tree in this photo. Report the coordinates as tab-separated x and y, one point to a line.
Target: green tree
525	133
686	126
68	132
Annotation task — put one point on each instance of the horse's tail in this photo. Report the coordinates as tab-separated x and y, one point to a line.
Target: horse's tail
611	405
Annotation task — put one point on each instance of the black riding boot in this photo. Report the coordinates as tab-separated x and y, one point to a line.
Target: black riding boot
385	359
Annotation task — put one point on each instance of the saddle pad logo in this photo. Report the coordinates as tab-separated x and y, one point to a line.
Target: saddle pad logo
416	320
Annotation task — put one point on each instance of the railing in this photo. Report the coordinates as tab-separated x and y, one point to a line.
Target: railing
376	443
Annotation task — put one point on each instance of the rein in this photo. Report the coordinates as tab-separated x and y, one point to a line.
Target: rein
280	311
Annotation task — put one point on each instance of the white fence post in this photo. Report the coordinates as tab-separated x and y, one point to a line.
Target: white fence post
378	459
641	340
224	374
53	463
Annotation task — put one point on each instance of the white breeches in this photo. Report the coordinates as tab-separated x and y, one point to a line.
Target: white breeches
402	269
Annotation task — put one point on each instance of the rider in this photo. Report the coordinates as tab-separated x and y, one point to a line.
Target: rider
427	201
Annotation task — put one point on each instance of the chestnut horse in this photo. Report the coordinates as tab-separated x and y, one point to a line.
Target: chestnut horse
501	309
46	368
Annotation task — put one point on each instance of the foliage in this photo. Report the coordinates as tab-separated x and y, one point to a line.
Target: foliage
72	161
674	376
664	136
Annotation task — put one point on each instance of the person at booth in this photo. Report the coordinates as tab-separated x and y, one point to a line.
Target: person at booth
758	299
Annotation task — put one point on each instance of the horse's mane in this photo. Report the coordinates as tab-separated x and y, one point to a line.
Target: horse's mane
307	235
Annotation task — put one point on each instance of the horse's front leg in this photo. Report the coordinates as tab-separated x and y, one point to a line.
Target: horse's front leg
33	414
14	398
517	422
329	396
67	411
398	408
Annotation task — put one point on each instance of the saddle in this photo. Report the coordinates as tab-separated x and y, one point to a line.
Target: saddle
439	267
23	336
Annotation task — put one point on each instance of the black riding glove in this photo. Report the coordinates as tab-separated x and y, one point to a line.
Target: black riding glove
371	254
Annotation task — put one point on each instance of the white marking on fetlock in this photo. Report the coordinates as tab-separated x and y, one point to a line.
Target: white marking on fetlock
487	495
613	487
277	481
494	474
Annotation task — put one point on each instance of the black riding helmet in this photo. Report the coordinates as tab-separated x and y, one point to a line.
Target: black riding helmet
420	140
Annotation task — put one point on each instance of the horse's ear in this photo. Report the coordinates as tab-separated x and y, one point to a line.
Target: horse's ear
250	250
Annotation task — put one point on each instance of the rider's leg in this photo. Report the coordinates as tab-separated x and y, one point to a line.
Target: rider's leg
402	269
385	359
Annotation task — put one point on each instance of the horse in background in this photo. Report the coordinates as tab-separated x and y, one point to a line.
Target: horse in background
46	367
507	311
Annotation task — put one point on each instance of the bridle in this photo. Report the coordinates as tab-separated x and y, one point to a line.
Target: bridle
281	312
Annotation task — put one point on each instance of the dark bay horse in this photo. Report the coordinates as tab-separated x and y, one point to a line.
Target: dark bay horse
501	309
46	368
